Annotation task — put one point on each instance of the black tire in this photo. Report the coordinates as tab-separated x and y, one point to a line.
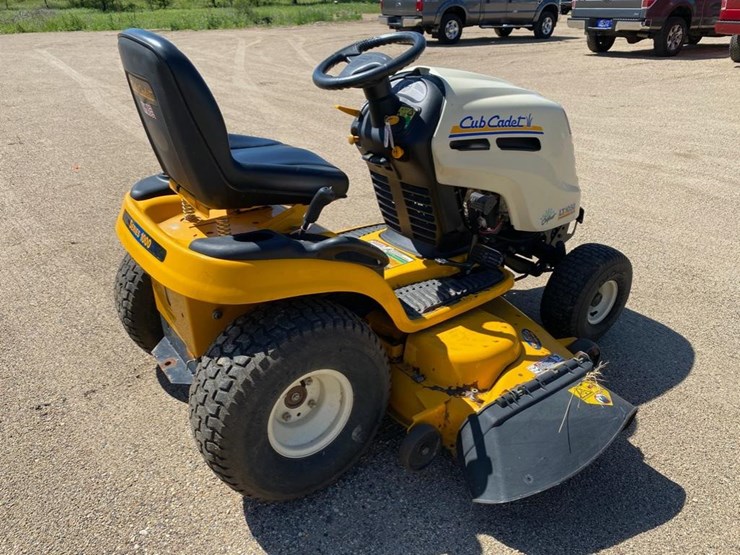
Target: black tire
249	371
420	446
545	25
450	29
568	300
503	31
599	43
587	346
670	39
695	39
137	310
735	48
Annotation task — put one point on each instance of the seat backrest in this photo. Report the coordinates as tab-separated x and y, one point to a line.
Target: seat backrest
182	120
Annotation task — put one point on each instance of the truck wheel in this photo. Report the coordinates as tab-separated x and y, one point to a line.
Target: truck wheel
545	25
137	310
599	43
288	398
586	292
450	29
669	40
735	48
503	31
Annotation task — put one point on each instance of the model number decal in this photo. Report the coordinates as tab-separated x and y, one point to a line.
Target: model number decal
143	238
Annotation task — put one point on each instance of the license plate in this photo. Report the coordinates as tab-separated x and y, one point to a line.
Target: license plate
603	23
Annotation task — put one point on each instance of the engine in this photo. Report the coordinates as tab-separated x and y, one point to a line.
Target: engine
459	159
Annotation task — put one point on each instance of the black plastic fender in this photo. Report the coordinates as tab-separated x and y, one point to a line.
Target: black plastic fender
541	434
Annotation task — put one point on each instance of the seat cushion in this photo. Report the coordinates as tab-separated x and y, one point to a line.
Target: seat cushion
282	169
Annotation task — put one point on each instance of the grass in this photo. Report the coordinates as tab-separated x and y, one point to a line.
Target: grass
27	16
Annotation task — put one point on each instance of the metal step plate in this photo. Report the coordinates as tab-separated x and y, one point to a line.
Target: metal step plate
419	298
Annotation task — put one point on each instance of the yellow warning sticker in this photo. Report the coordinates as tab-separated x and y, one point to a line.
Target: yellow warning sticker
591	393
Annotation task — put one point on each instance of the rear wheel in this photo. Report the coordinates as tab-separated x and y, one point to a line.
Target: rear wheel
735	48
450	29
137	310
669	40
545	25
502	31
599	43
586	292
288	398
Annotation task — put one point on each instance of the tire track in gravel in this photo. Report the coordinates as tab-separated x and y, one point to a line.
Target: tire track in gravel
97	95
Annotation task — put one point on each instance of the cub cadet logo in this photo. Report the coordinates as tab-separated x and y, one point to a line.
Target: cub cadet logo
495	125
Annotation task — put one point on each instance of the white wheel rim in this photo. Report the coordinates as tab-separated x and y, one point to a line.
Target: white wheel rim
547	25
310	413
603	302
451	29
675	37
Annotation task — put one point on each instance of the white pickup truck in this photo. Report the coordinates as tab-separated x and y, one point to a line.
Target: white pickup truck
445	19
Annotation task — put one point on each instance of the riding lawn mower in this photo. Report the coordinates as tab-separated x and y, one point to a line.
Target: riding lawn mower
297	339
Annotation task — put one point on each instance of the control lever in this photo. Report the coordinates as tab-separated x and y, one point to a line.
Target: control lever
323	196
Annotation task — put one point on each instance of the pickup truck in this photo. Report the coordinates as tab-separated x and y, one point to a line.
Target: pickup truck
445	19
670	23
729	24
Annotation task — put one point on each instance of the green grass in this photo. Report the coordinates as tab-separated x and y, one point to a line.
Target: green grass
27	16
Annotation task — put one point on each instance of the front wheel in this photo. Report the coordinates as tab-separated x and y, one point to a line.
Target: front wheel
502	31
288	398
669	40
586	292
545	25
599	43
735	48
450	29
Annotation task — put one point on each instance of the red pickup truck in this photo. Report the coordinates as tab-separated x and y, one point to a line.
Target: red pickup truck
729	24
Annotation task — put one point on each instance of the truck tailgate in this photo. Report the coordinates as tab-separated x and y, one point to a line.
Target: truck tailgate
616	9
399	7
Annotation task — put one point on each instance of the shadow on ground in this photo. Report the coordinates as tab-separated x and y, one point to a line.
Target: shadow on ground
489	41
380	508
689	52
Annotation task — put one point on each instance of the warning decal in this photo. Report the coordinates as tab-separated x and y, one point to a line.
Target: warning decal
591	393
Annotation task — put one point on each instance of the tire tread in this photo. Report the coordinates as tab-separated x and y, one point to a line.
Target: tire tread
263	333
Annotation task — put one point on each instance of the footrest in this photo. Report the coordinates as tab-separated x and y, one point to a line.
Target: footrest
425	296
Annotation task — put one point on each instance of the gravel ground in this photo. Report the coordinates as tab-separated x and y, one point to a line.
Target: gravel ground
95	447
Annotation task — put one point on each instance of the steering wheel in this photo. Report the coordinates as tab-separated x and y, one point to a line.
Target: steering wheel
376	66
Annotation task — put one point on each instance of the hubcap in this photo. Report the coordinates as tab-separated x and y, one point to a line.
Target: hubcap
452	29
675	37
310	413
603	302
547	25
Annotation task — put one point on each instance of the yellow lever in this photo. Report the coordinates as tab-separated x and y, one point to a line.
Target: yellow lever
350	111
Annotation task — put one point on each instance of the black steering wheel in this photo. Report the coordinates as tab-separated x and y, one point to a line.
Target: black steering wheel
376	66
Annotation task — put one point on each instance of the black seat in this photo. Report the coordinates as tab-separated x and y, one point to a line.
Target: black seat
189	137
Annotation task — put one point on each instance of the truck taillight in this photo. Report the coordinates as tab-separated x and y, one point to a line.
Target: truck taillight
647	3
419	5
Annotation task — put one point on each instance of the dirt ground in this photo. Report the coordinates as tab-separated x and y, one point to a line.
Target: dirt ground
95	448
